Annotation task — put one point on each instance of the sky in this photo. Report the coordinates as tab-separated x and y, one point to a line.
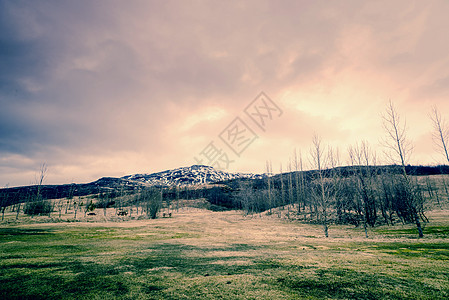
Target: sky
111	88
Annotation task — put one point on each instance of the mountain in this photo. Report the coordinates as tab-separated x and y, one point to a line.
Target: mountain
193	175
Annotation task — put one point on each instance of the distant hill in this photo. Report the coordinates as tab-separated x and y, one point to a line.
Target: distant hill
196	175
185	176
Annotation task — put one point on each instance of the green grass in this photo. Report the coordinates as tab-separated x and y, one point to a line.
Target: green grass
218	255
434	251
434	231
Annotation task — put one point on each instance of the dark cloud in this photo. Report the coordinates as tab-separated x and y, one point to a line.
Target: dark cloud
115	87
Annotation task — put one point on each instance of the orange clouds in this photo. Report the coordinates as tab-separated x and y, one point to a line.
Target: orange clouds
138	87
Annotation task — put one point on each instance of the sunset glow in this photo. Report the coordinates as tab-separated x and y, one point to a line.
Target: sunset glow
111	88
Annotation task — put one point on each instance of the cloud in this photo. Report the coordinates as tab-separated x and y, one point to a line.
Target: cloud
109	87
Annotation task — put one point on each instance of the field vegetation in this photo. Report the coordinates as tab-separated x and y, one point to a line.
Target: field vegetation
198	253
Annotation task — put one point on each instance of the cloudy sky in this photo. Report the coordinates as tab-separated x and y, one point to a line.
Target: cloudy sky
110	88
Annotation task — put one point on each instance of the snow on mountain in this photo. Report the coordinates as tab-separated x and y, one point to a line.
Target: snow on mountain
196	174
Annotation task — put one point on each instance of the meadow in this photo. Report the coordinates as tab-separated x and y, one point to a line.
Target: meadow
202	254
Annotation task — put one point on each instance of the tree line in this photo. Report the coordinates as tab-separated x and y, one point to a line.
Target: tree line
361	193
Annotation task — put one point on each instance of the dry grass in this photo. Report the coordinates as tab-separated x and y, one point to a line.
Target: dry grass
207	255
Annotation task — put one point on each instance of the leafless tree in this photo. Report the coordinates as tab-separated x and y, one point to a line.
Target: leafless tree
152	197
105	203
319	162
76	205
177	197
335	180
70	197
269	184
297	190
398	146
246	196
300	182
3	206
4	201
87	207
282	199
35	204
18	210
60	206
440	132
362	159
400	149
167	202
290	187
40	180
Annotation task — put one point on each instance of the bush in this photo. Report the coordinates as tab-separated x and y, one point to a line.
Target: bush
91	206
105	203
38	208
214	207
152	198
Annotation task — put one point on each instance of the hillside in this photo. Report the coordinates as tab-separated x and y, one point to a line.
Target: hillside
195	175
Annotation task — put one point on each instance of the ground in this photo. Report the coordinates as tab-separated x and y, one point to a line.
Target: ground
221	255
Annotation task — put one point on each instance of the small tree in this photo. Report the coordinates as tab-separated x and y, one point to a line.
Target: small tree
3	208
400	149
76	205
269	185
38	208
40	180
321	187
246	196
362	158
153	199
90	206
60	206
440	133
299	181
4	202
290	187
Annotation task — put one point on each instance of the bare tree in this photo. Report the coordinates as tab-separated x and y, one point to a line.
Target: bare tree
290	187
400	149
70	196
4	201
76	205
18	210
320	194
297	188
440	132
246	196
88	207
60	207
282	199
40	180
152	197
362	160
269	184
300	182
35	204
3	206
177	197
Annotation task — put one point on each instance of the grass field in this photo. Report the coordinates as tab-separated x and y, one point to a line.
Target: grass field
222	255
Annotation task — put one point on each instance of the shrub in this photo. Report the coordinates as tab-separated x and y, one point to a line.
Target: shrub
153	200
38	208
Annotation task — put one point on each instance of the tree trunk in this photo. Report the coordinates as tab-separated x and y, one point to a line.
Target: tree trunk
18	210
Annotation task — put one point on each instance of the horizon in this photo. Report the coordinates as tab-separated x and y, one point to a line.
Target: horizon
263	173
109	88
